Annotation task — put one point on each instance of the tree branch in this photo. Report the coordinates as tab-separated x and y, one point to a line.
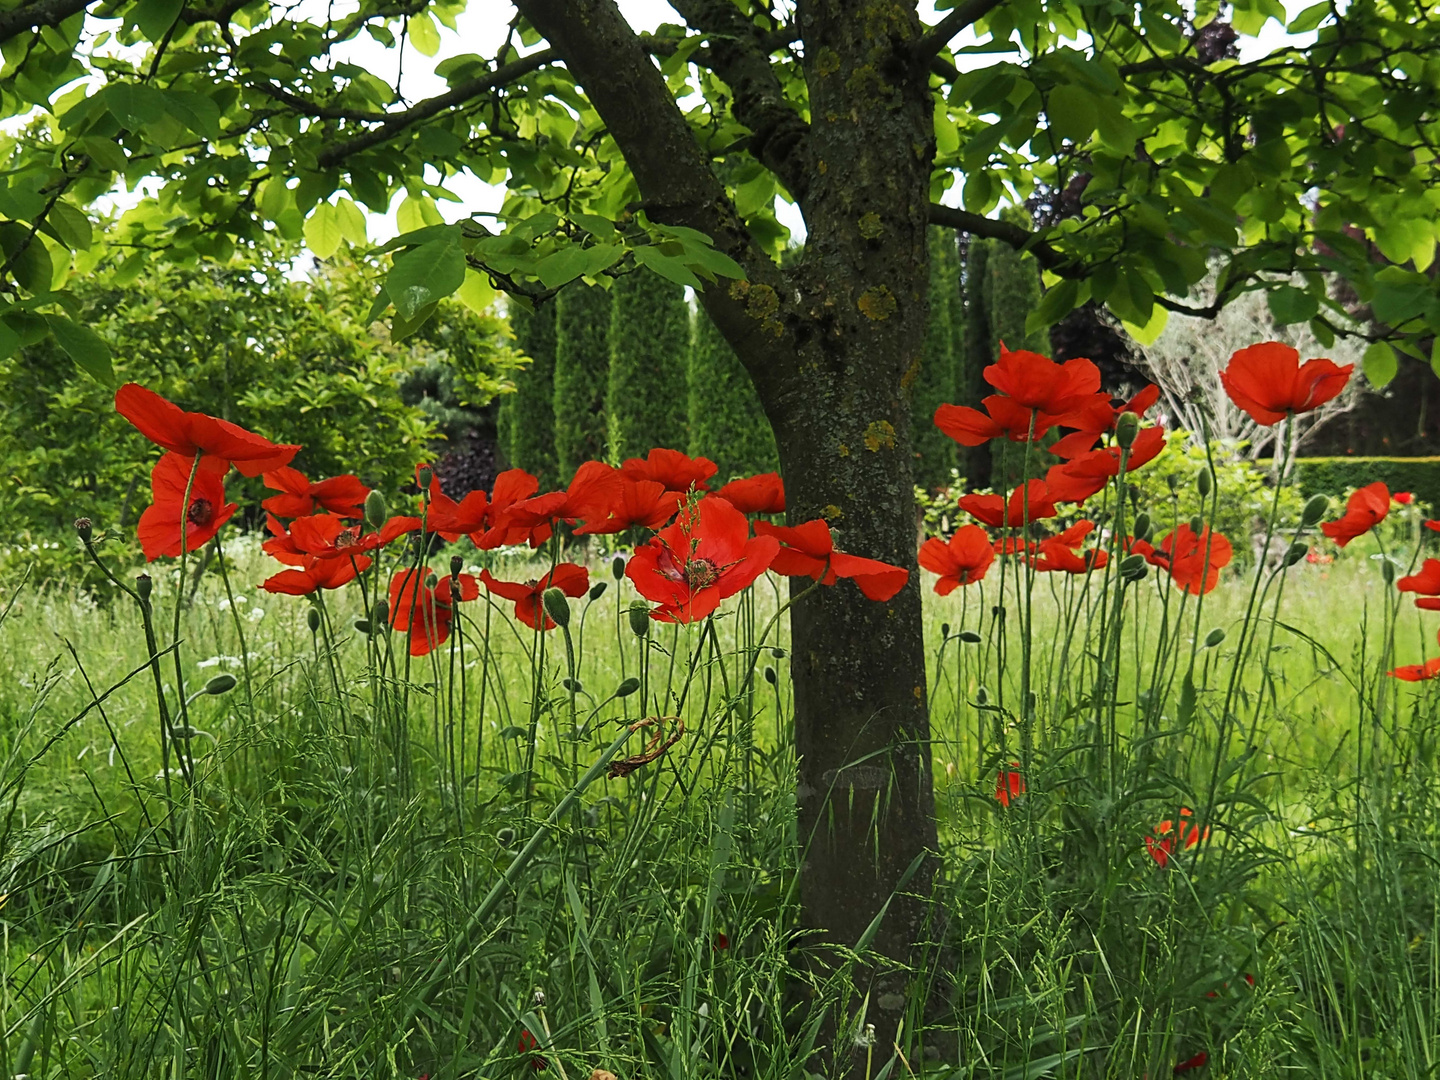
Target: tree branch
967	13
952	217
424	110
34	16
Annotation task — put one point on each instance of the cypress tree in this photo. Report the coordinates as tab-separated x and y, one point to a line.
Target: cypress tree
582	364
727	424
649	344
970	387
527	417
1012	291
935	381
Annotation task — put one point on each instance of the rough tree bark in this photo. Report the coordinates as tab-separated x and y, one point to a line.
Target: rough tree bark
832	346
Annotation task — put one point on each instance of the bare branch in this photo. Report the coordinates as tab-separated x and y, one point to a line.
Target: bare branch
34	16
963	15
1021	239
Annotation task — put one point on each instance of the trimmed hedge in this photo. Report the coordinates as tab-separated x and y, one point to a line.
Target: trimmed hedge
935	381
1333	476
647	402
582	366
727	423
527	417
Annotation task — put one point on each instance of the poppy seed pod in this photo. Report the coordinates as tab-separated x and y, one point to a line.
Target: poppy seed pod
84	527
375	510
1142	525
144	585
627	687
456	565
617	567
220	684
381	612
1126	428
944	630
1197	525
362	626
1297	552
1204	482
598	589
312	620
770	676
556	606
1315	508
423	476
1387	571
1215	637
969	637
639	618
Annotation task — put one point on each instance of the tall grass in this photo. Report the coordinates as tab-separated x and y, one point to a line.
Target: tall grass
371	865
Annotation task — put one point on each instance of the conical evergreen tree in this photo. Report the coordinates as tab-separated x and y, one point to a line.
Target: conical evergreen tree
582	364
649	346
936	380
970	386
1012	292
527	417
727	424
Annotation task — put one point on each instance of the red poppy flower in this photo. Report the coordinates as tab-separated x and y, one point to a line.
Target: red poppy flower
1404	498
1434	526
1029	503
515	514
1076	480
1269	382
1097	415
159	526
1426	582
610	502
1146	550
1009	784
721	942
343	495
809	551
1192	1063
528	1043
318	574
762	494
1002	417
1062	552
1037	382
446	516
326	536
1162	845
425	612
570	579
705	556
675	470
1418	672
1194	561
191	433
961	560
1366	508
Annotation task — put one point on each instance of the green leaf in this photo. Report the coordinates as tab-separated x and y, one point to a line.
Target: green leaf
31	267
1435	356
1309	19
423	34
476	293
154	17
72	225
85	347
1073	113
1291	305
1380	363
566	264
352	221
275	199
135	105
423	275
667	266
1058	301
322	231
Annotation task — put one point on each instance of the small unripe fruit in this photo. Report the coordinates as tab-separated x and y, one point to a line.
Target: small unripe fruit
627	687
1132	568
598	589
423	477
1314	510
556	606
1173	482
312	620
944	631
1387	571
1215	637
639	619
363	626
617	567
375	510
1142	525
969	637
220	684
1204	482
456	565
981	696
1296	552
84	527
381	612
1197	524
770	676
144	586
1126	428
573	685
778	652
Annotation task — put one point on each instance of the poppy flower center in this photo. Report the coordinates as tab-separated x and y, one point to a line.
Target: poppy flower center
200	513
348	537
701	573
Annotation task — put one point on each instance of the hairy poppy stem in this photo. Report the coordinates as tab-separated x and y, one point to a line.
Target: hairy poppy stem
182	753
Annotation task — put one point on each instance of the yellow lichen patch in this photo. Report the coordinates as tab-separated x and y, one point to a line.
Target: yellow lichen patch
822	166
844	450
761	302
870	225
879	434
865	82
878	303
827	62
832	513
919	696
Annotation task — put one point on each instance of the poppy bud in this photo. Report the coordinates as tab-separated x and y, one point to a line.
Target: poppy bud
573	685
944	631
381	613
627	687
598	589
1132	567
1214	637
84	526
639	618
778	653
617	567
183	732
431	580
770	676
981	696
312	620
456	565
969	637
1314	510
1142	525
1197	524
1297	552
220	684
1204	482
143	585
1126	428
363	626
505	837
1173	482
556	606
1387	571
423	476
375	510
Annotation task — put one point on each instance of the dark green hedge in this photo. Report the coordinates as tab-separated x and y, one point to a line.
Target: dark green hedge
936	379
727	424
1334	475
527	431
582	366
646	404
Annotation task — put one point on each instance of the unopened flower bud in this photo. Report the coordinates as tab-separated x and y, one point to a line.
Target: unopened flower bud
423	476
363	626
598	590
380	614
1204	482
778	653
1173	482
944	631
144	586
617	567
1127	426
1197	524
375	510
220	684
639	618
573	685
969	637
1142	525
84	527
770	675
1387	571
1296	552
1315	508
456	565
627	687
1132	568
1215	637
505	837
981	696
556	606
312	620
431	579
